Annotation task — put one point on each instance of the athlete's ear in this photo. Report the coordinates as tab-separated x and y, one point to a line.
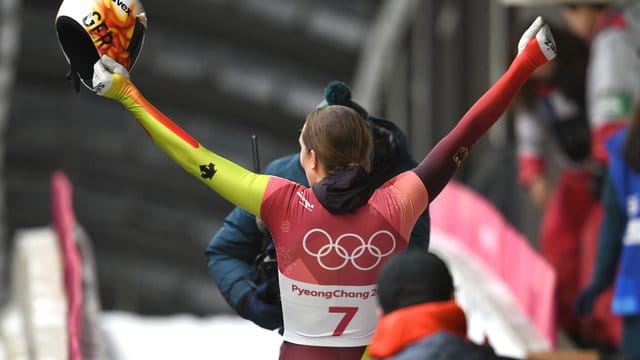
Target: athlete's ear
314	158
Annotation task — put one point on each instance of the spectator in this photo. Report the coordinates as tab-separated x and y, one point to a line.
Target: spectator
551	106
251	286
421	319
619	241
551	109
612	84
613	73
612	32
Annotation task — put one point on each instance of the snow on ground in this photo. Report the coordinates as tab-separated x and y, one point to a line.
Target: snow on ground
134	337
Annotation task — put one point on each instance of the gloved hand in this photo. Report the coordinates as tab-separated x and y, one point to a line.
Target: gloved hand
538	34
583	306
258	308
109	77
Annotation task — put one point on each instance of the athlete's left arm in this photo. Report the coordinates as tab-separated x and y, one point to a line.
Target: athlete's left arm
238	185
536	48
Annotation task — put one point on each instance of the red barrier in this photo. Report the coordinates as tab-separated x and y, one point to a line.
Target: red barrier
479	226
64	222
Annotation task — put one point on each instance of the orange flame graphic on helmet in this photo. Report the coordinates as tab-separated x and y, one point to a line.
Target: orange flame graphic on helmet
111	29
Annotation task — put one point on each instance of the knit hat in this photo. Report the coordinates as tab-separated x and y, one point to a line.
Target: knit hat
413	277
385	133
338	93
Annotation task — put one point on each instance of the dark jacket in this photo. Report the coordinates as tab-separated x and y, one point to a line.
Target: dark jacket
445	346
232	250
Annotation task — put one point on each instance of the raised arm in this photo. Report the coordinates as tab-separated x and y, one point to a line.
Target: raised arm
233	182
536	48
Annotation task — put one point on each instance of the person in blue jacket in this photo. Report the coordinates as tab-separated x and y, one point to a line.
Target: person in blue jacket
241	257
618	256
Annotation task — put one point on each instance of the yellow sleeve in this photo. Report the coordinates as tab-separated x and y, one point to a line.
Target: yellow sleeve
365	355
238	185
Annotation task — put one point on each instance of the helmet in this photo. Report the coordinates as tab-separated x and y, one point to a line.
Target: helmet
88	29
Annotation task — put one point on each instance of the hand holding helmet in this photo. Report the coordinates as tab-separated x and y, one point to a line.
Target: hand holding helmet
109	77
90	29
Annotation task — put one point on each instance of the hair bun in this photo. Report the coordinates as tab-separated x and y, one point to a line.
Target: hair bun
337	93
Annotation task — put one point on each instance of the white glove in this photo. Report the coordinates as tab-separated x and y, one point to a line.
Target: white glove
540	30
103	71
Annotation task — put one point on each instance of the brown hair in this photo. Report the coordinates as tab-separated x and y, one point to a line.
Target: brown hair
632	144
339	137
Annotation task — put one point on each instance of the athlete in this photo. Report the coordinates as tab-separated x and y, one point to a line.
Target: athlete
251	286
332	237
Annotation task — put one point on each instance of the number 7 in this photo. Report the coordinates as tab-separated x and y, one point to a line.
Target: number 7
349	313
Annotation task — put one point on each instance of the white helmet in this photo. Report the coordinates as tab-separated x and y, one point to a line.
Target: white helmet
88	29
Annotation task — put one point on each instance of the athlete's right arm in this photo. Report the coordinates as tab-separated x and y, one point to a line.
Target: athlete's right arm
233	182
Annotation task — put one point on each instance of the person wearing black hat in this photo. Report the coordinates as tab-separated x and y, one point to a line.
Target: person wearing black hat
421	319
251	286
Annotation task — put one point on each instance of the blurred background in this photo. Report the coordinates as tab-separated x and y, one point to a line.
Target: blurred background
225	70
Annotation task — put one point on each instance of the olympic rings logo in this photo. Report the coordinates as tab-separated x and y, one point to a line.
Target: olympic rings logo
345	255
